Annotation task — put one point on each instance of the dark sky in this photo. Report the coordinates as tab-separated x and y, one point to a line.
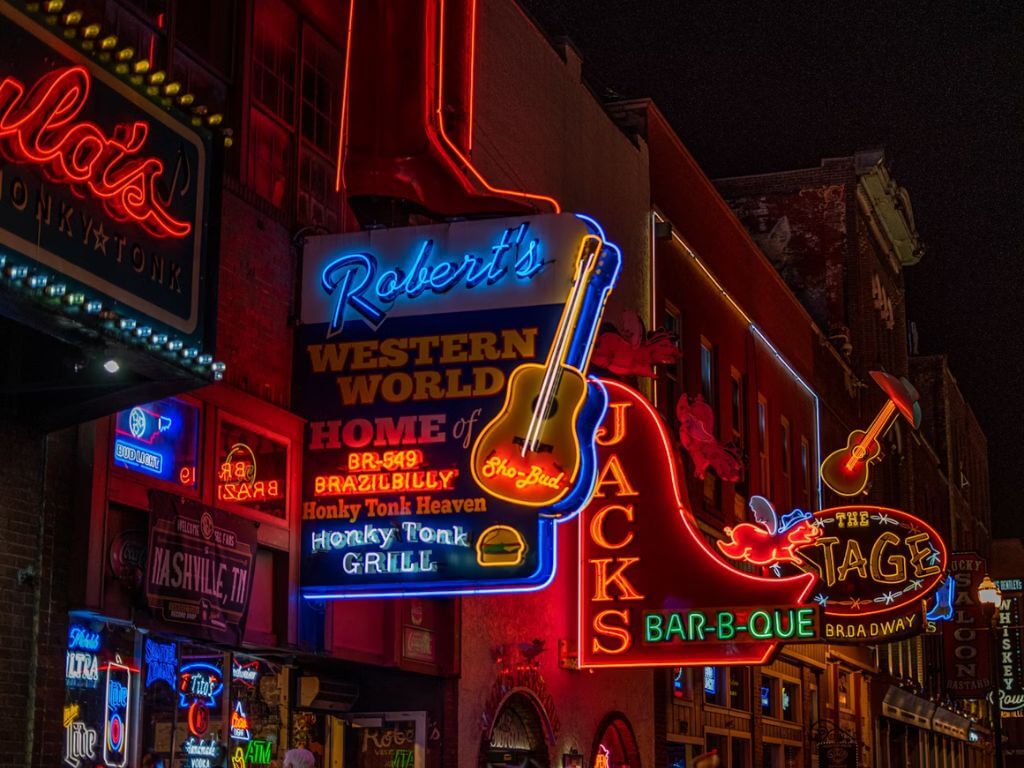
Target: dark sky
764	86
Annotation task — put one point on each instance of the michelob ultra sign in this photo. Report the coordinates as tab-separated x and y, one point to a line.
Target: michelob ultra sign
442	370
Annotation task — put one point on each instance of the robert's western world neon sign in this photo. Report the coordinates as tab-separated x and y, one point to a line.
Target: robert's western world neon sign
451	419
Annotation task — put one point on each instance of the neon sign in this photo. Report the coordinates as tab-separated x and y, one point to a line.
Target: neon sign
82	638
943	608
966	642
847	470
79	739
640	555
41	128
239	723
348	277
106	193
1010	639
161	662
201	753
81	670
158	439
199	680
258	752
245	673
237	478
875	567
429	325
115	708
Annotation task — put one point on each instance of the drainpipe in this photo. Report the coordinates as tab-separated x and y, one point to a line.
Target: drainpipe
35	573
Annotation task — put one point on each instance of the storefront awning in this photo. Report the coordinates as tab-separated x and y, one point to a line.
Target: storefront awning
905	707
950	724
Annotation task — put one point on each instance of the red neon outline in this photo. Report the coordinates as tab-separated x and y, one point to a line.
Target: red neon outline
343	127
926	528
470	108
809	579
439	112
126	187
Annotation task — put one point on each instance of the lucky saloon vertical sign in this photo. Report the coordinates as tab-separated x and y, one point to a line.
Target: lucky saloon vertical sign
1010	639
101	191
966	637
443	373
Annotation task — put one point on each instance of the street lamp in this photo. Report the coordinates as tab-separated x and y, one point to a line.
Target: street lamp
989	594
991	598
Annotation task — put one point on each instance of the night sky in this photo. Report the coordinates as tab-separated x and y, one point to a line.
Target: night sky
753	87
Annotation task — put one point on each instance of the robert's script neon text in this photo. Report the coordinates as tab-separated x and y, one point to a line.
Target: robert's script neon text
353	280
39	126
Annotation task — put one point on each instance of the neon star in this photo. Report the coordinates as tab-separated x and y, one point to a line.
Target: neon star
821	599
101	239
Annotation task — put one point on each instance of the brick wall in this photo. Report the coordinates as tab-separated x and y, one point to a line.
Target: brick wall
28	511
256	289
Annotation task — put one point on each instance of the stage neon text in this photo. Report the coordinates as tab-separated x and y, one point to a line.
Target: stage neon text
39	126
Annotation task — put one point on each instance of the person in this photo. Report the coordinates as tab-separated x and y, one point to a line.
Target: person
299	758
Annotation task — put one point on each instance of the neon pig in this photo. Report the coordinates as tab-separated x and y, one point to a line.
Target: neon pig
351	276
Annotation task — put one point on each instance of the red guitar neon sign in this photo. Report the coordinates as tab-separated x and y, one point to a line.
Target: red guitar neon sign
38	126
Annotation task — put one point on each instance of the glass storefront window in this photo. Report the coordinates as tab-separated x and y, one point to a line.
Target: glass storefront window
101	685
714	685
252	470
682	684
739	688
159	440
790	701
769	695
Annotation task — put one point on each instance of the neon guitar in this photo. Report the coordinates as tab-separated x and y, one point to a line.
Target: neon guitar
529	454
846	471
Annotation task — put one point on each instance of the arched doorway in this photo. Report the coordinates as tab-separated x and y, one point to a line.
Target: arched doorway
520	735
615	746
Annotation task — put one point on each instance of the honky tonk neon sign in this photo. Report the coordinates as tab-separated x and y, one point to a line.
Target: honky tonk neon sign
652	592
40	125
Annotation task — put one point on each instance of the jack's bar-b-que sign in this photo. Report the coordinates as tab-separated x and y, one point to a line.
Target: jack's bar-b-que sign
101	190
652	592
451	423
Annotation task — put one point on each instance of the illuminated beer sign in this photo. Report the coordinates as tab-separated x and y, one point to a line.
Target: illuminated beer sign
651	591
875	566
104	192
442	371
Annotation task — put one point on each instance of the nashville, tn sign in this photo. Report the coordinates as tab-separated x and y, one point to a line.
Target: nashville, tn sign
100	188
442	371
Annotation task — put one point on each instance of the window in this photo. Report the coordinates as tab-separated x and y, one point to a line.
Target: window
771	755
784	458
815	707
717	742
739	688
740	757
762	445
159	441
322	69
714	685
252	470
275	36
672	373
845	693
805	471
739	407
769	696
709	376
790	701
682	684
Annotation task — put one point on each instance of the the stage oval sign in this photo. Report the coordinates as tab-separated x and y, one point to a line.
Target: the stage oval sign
871	560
